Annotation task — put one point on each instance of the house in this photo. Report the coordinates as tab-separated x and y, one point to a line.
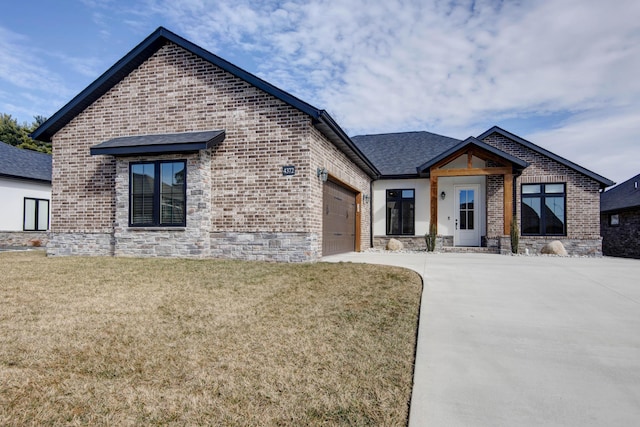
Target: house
473	189
620	219
25	191
174	151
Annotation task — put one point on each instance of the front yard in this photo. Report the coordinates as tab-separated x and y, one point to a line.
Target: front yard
106	341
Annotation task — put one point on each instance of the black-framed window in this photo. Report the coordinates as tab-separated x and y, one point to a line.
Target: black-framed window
158	193
36	214
544	209
401	212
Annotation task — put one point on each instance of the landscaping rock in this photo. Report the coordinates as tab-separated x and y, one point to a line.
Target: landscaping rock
554	248
395	245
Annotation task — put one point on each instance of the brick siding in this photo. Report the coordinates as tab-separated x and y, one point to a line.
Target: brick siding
621	240
582	200
241	190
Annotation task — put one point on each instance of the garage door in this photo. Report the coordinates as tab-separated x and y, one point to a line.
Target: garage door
339	219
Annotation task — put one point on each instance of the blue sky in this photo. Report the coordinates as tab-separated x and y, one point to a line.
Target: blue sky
560	73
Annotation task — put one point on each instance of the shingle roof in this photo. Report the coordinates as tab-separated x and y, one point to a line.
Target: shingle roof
397	154
321	119
622	196
26	164
160	143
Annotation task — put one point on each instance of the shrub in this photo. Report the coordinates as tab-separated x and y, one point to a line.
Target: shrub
515	235
430	237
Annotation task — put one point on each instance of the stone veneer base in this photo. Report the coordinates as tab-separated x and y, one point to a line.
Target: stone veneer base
574	247
86	244
275	246
24	238
577	247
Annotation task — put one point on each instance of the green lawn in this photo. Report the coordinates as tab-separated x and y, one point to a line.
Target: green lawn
118	341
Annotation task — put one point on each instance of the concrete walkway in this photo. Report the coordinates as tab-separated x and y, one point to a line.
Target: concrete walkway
524	341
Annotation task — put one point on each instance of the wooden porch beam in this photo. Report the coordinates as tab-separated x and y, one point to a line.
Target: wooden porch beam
433	182
508	202
471	171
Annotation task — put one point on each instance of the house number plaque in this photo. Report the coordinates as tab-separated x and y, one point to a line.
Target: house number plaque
288	170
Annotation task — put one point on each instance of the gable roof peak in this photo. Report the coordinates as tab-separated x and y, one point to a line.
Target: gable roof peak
154	42
604	182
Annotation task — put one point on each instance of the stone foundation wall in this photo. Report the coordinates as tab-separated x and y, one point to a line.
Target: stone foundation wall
86	244
24	238
281	247
413	243
577	247
160	242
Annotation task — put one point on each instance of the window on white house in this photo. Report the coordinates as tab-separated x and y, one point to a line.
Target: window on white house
36	214
543	210
157	193
400	212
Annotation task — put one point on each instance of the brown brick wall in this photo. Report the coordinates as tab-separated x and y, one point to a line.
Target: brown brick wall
325	155
583	197
176	91
495	205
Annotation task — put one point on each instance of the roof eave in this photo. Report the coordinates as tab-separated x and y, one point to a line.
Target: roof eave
604	182
137	56
339	138
149	149
27	178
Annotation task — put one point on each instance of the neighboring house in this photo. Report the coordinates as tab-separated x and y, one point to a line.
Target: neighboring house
175	151
473	189
620	219
25	192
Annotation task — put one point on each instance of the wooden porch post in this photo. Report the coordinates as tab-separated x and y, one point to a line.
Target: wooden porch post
433	182
508	202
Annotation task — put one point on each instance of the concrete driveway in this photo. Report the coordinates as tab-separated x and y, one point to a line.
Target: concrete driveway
524	341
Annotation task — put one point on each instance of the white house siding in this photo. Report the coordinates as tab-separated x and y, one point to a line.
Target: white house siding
446	217
422	206
12	194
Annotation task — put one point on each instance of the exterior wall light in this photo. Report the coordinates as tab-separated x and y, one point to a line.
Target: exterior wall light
365	198
323	174
443	195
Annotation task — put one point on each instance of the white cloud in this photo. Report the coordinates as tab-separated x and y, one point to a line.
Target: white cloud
601	141
448	66
20	66
444	66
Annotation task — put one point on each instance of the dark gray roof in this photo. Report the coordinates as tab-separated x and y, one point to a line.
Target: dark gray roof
399	154
25	164
160	143
321	119
517	163
604	182
623	196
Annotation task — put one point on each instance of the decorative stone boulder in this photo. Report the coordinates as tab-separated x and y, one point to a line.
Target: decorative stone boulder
554	248
394	245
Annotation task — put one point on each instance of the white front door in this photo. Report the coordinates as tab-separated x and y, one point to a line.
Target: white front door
467	228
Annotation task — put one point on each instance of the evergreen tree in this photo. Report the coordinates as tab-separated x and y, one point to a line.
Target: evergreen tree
17	134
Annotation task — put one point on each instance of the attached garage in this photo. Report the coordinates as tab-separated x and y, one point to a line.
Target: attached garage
339	219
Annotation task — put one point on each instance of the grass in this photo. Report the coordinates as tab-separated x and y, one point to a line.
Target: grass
117	341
